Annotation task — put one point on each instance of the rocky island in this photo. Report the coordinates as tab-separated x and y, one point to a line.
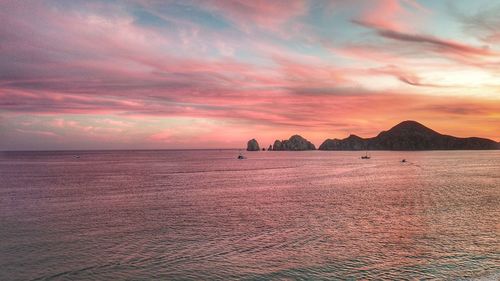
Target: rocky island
294	143
409	135
253	145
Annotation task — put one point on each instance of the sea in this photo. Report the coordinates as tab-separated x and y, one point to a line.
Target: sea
205	215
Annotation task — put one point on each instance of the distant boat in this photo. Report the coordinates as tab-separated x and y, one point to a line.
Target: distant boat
403	161
241	156
77	156
366	156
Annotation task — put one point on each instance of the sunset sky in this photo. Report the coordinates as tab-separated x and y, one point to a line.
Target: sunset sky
213	74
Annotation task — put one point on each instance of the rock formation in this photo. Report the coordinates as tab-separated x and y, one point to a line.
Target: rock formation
352	142
295	143
408	135
277	145
253	145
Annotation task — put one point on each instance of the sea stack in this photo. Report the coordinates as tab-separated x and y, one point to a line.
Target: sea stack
253	145
294	143
277	145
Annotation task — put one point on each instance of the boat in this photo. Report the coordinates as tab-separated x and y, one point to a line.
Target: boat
403	161
366	156
241	156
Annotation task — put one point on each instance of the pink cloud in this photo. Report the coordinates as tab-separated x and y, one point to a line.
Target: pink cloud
397	15
266	14
383	14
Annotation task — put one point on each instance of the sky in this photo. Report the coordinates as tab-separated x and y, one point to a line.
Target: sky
152	74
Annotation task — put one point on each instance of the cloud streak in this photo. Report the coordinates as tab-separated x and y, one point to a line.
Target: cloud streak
435	44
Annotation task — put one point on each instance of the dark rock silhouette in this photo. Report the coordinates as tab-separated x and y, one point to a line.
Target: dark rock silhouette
277	145
295	143
352	142
270	147
409	135
253	145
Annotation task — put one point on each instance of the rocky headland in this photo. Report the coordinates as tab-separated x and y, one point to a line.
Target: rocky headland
409	135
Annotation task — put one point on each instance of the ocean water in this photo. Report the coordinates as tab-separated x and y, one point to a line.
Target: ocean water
142	215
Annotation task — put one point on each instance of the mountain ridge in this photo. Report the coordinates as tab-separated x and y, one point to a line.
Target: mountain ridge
409	135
